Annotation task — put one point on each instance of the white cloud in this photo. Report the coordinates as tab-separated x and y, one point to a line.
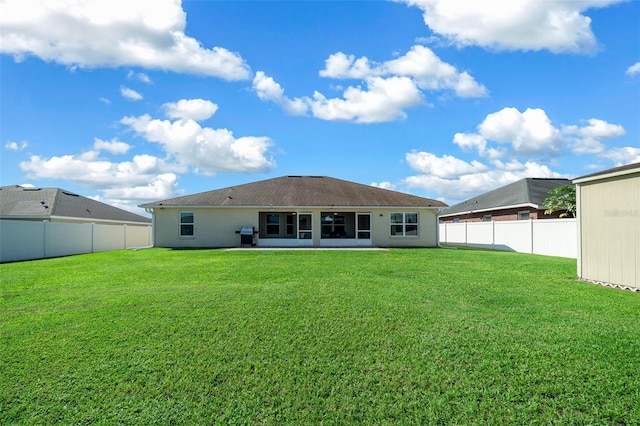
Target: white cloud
161	187
389	87
431	73
589	138
105	101
528	132
342	66
190	109
146	177
623	156
140	76
587	146
208	151
269	90
385	99
633	69
445	167
420	64
472	141
462	180
555	25
519	135
16	146
599	129
532	133
130	94
113	146
384	185
105	33
124	185
91	170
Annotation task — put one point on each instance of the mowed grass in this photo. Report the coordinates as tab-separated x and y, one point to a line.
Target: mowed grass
413	336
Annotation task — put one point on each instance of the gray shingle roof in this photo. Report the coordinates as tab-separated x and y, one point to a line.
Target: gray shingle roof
17	201
528	191
300	191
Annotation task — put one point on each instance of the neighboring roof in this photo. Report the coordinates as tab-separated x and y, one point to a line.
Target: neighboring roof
22	202
299	191
616	171
529	192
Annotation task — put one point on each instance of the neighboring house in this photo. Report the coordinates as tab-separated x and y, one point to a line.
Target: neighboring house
519	200
608	207
297	211
58	205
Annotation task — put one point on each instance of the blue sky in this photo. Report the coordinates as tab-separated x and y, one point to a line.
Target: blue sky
136	101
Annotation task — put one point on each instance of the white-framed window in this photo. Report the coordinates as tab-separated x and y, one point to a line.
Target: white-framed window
404	224
486	218
524	215
278	224
273	224
187	224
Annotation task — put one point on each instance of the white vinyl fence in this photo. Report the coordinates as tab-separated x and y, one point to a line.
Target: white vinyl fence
550	237
24	240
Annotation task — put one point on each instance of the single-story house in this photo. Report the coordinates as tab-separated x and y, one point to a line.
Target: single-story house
297	211
608	207
37	223
58	205
521	200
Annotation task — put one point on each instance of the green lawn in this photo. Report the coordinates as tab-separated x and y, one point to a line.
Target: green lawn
430	336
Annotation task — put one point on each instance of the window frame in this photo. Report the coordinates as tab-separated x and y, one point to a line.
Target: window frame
285	225
521	214
183	223
338	225
406	222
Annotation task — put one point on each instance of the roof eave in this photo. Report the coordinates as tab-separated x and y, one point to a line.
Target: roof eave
531	205
273	206
72	218
602	176
25	217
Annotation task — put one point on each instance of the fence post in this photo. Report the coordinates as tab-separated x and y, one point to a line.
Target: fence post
466	234
493	233
531	233
124	227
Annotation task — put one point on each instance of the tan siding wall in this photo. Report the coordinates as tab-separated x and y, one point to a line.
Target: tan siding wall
382	229
216	227
610	230
213	227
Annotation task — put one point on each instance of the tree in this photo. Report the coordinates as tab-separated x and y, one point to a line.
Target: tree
561	198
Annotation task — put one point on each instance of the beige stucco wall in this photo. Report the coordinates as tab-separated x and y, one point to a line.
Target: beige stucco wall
216	227
609	230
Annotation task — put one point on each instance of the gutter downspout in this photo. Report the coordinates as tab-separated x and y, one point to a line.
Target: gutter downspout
440	210
153	225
